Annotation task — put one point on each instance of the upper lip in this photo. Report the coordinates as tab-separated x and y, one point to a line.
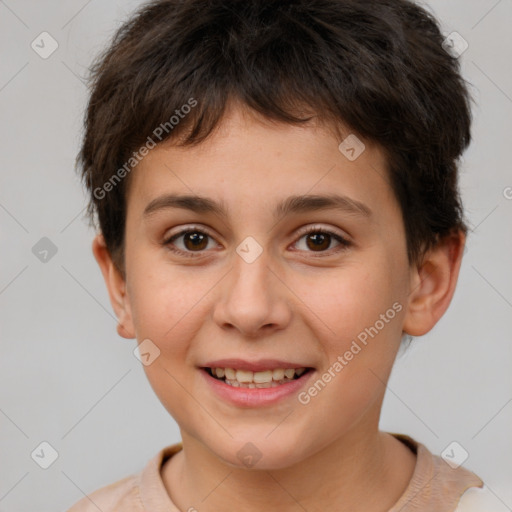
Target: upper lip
255	366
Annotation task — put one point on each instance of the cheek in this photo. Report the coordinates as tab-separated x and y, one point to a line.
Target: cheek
350	299
165	302
166	309
360	312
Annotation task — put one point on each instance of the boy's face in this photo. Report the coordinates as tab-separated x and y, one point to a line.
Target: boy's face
304	301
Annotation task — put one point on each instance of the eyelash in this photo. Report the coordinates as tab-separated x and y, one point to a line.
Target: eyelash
344	243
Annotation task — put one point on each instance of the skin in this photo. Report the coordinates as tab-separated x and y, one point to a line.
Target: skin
294	302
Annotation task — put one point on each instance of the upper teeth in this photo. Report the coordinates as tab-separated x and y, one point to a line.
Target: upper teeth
247	376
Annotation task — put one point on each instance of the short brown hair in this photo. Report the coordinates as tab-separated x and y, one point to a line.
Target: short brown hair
378	67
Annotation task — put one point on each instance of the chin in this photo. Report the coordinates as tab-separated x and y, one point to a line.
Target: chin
260	452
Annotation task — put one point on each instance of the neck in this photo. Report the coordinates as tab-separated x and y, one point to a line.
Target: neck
363	470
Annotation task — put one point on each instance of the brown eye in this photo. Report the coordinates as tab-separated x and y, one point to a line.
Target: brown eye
195	240
320	240
188	241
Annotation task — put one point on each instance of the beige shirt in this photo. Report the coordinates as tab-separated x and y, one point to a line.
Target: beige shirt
434	486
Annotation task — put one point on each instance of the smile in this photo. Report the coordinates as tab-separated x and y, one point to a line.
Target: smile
261	379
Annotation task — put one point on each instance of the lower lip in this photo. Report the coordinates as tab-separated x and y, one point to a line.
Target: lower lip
255	397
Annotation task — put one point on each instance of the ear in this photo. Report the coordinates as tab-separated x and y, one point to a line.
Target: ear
433	284
116	286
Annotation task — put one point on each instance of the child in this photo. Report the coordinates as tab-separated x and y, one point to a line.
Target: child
277	195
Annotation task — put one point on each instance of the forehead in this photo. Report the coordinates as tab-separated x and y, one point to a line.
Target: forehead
259	163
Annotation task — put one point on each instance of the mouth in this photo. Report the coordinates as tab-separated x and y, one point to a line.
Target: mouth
269	378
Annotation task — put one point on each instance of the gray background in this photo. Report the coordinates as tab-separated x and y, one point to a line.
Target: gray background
68	379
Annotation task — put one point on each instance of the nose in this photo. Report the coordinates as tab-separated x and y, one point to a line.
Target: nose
254	299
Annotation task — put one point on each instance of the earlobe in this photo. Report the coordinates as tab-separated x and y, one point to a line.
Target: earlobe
433	285
124	333
116	287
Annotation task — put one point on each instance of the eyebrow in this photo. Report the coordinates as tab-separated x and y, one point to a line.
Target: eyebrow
293	204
